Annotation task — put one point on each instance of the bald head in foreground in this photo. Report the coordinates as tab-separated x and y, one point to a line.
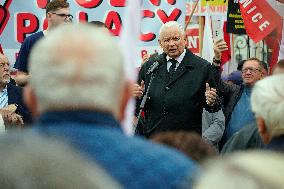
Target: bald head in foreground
79	91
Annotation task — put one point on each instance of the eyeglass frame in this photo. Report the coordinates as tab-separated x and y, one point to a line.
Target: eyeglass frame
69	16
252	70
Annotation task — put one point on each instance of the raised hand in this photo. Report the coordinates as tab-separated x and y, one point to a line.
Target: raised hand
211	95
219	46
138	90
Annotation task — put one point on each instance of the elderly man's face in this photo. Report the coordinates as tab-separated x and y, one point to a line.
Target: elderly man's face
4	70
251	72
172	42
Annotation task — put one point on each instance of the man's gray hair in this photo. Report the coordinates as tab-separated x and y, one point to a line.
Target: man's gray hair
77	66
249	170
171	24
267	101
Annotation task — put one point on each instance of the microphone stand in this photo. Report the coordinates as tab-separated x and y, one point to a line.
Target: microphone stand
143	102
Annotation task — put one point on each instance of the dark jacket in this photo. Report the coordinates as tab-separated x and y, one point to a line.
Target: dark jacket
176	103
230	93
15	96
276	144
247	138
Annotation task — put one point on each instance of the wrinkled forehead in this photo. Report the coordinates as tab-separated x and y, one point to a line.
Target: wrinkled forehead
251	64
172	31
3	59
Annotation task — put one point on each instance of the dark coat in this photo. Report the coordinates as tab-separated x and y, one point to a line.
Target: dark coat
230	93
15	96
246	139
176	103
276	144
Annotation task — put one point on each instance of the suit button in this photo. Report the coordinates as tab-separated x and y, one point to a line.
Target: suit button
165	112
167	88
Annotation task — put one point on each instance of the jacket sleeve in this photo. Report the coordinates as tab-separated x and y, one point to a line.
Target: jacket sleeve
213	126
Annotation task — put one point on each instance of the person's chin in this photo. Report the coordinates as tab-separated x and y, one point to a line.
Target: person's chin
173	54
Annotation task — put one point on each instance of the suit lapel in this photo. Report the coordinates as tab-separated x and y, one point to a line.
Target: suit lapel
186	64
163	72
11	94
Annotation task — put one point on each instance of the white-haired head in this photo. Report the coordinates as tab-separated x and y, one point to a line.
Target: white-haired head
171	24
267	102
77	67
249	170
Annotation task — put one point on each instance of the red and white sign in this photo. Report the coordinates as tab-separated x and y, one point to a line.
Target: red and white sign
193	39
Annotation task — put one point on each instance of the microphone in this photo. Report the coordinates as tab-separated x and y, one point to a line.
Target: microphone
155	65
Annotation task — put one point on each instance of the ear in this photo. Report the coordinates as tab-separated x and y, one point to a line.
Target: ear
48	16
263	132
126	95
30	100
160	43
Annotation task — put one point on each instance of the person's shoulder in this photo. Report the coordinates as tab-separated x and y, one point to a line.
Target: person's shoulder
14	88
197	59
34	37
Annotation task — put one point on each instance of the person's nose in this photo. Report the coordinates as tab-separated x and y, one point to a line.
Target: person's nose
172	42
7	67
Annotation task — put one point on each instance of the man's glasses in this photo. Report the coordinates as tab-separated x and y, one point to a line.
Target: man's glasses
66	16
252	70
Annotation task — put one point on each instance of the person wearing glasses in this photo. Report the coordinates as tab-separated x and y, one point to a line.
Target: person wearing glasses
57	13
237	108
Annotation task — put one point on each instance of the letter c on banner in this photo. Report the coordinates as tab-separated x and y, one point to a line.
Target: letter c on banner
89	3
118	3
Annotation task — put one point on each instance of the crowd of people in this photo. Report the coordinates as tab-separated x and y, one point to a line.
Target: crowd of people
60	117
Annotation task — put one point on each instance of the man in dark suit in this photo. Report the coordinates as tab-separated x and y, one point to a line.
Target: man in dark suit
12	109
176	96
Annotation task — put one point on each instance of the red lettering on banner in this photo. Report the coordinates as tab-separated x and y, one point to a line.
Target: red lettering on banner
172	2
42	3
193	39
175	14
83	17
148	36
4	14
118	3
148	14
45	24
22	28
156	2
113	22
143	52
89	3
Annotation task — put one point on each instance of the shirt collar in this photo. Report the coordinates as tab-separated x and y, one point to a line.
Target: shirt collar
78	116
179	59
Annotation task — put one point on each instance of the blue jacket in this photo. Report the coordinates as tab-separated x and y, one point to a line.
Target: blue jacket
132	161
